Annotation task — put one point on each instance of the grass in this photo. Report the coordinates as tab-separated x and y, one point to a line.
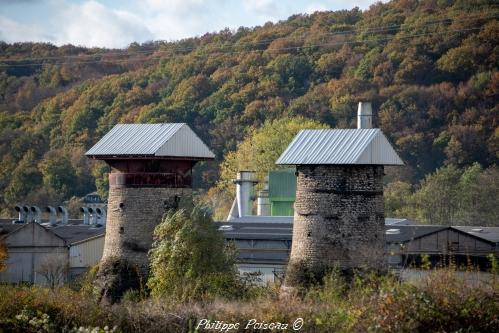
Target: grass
440	302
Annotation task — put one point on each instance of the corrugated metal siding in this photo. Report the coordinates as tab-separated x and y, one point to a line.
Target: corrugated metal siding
174	139
340	146
282	184
185	143
282	208
86	254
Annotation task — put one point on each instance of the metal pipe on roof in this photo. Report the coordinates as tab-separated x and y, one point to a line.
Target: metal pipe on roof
92	215
86	215
263	200
27	212
101	215
64	212
37	214
52	215
245	182
22	214
365	115
263	203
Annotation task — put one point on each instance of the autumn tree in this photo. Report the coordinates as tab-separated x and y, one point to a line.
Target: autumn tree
190	258
4	255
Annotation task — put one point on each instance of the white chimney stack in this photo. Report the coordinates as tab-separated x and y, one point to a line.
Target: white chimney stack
365	115
244	187
263	201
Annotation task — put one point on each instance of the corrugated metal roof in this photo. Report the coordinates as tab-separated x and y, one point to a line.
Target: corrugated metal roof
77	233
340	146
168	139
488	233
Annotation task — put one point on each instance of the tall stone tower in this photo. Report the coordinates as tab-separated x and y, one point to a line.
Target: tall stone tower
151	169
339	209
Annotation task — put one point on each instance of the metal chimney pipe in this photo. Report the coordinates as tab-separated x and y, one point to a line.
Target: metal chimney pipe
365	115
64	212
22	214
244	187
85	212
263	201
27	213
52	215
101	215
37	214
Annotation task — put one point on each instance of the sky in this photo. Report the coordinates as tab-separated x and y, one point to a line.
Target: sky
116	24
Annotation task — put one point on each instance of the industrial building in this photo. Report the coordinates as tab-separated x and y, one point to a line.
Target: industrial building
35	249
263	243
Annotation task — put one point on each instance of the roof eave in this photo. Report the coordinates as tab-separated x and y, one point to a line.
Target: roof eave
147	157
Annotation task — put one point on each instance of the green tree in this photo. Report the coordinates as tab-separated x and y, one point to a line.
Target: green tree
478	195
58	173
261	148
438	197
190	259
398	200
25	179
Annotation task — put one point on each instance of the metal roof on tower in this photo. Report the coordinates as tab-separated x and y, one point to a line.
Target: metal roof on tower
340	146
161	140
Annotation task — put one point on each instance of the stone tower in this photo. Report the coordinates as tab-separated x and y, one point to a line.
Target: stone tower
339	209
151	169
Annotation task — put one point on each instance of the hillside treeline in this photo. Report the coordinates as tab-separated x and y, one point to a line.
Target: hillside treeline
429	67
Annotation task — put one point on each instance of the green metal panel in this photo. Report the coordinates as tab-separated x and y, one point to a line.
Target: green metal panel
282	192
282	185
281	208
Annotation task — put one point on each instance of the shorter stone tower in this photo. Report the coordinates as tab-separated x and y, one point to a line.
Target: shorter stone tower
339	209
151	169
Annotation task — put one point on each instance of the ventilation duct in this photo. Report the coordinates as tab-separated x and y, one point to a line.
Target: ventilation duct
22	214
365	115
64	212
28	214
36	213
52	215
101	215
244	189
86	215
263	201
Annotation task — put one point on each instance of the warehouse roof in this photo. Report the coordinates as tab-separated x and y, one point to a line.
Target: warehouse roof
406	233
340	146
162	140
490	234
77	233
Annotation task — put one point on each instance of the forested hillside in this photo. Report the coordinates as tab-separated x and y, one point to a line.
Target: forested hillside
429	67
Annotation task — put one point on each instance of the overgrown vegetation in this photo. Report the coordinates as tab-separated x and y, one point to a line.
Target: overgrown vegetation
429	67
440	302
190	259
4	255
450	196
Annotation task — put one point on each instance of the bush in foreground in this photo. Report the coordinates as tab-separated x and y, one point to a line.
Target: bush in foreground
440	302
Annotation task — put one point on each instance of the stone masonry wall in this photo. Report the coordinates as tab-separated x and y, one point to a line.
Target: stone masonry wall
132	215
338	221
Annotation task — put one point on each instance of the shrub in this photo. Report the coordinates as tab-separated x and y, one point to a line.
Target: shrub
190	259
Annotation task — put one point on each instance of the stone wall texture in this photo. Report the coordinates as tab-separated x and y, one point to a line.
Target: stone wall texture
132	215
338	221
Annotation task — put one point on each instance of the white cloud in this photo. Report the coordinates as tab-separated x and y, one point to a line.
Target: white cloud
12	31
93	24
175	19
